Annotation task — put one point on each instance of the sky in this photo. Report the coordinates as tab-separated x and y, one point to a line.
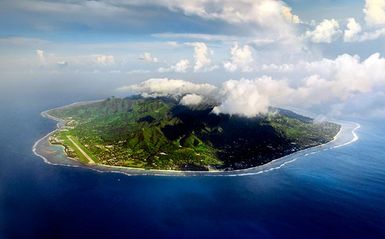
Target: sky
323	56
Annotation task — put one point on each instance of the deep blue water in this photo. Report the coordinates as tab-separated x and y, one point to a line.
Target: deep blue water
338	193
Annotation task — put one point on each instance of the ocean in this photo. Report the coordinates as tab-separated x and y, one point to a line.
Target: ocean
337	193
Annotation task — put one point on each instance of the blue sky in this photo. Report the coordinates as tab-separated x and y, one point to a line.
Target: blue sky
297	47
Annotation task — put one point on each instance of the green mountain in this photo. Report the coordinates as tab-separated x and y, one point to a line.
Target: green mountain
159	133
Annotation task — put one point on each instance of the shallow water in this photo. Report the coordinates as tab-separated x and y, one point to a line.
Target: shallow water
332	193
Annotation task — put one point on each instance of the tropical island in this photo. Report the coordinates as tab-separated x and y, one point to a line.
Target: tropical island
159	133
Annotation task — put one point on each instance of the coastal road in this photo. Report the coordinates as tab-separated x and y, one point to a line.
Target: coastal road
90	161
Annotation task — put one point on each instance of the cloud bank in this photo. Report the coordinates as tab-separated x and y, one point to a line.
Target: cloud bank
169	87
328	84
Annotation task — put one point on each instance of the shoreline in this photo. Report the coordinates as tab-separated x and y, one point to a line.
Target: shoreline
72	162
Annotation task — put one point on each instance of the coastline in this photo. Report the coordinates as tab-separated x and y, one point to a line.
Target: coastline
38	150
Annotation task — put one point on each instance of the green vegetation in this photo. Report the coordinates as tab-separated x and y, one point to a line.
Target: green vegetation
158	133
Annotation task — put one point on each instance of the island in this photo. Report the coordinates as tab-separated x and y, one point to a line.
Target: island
162	134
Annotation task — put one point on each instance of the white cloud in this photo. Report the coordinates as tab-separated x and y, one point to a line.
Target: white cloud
137	71
344	79
353	28
181	66
355	33
277	67
243	98
41	57
373	35
331	82
261	12
76	9
266	13
241	58
347	78
197	36
229	66
273	19
104	59
287	13
62	63
148	57
375	12
371	105
325	85
326	32
169	87
201	55
191	99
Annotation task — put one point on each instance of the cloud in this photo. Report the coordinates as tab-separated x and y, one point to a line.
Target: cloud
137	71
201	55
96	7
197	36
266	13
354	32
146	16
236	12
41	57
62	64
331	82
254	23
326	85
345	79
148	57
273	19
242	98
191	99
326	32
169	87
353	28
371	105
256	41
373	35
277	67
104	59
23	41
288	15
181	66
375	12
241	58
93	63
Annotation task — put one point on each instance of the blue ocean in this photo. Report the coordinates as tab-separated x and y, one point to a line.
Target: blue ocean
338	193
